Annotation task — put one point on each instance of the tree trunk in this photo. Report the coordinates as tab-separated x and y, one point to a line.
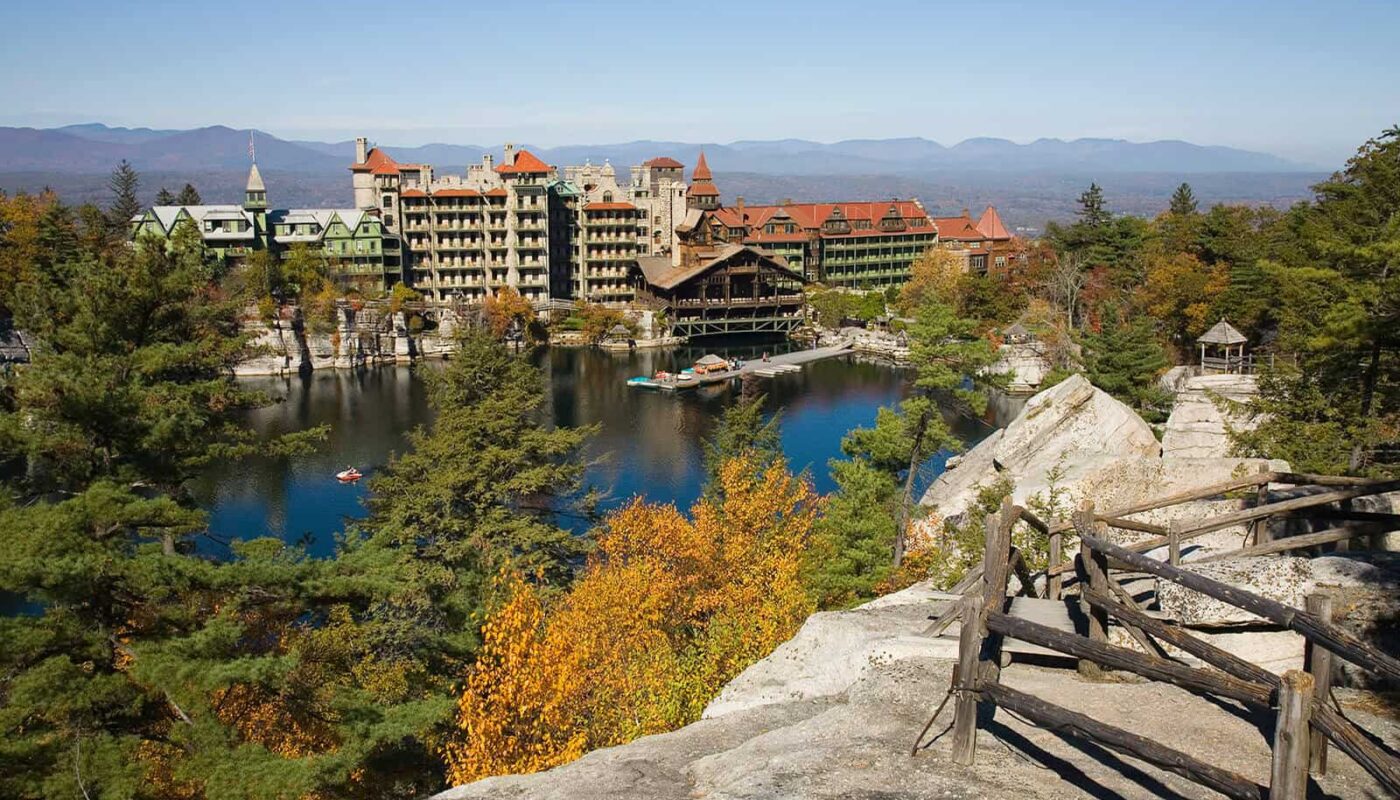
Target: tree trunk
901	520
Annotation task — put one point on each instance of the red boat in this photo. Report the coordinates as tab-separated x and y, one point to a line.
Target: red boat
348	475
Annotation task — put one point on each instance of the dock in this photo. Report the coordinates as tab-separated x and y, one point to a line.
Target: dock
781	364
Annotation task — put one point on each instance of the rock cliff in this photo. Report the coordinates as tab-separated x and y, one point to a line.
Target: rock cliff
286	345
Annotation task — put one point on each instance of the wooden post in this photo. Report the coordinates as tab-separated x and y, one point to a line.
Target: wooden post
1054	581
1093	568
1318	662
1288	780
1173	543
1259	530
965	711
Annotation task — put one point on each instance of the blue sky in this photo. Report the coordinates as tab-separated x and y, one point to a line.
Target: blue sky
1306	80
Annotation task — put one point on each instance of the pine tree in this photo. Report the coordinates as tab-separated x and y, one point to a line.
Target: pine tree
188	196
951	364
165	198
853	538
1093	210
742	432
123	185
1183	203
1125	359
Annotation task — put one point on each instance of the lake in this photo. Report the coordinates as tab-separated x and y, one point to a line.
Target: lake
650	444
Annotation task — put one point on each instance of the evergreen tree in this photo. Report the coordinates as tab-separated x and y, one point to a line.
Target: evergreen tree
123	184
1339	310
164	197
189	196
742	432
852	540
951	364
1125	359
1093	210
1183	203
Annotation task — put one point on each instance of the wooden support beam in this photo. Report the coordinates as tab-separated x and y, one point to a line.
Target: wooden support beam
1284	506
1340	534
1146	665
1384	766
1318	663
1023	573
1187	496
1174	543
1304	478
1034	521
1054	582
1259	529
1093	574
1062	720
1288	778
1180	639
1341	642
1132	525
965	683
971	579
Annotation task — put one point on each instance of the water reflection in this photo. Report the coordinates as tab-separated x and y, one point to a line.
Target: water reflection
649	443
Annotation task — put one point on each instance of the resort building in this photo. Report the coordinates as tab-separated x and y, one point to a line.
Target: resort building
470	235
356	246
711	287
985	243
554	235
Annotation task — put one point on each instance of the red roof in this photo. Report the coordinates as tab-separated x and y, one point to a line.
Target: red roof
703	189
609	207
810	216
497	192
702	169
525	161
664	161
990	225
413	193
379	162
958	229
456	193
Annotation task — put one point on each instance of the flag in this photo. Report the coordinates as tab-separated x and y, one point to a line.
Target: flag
252	153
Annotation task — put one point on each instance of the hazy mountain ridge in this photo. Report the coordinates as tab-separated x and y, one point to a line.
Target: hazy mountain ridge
96	147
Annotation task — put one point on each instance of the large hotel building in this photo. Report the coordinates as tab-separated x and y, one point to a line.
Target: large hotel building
577	233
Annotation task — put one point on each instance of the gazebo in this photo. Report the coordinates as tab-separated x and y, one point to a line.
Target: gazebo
1017	334
619	333
1222	348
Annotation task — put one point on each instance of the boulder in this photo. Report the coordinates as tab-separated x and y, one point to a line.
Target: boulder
1071	428
1197	425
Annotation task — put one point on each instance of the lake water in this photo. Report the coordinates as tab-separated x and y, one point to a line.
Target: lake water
650	443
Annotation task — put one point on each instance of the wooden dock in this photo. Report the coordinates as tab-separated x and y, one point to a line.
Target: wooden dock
781	364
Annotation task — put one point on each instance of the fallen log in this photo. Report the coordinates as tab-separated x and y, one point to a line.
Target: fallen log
1062	720
1187	496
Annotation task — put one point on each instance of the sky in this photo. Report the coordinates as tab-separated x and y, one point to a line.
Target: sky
1305	80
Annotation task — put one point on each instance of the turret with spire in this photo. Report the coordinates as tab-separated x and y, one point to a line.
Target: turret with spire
703	194
255	193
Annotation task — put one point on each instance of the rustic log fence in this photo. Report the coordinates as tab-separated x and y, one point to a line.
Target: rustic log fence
1306	722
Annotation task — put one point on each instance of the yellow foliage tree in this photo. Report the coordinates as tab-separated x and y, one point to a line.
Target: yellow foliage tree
505	307
935	274
1181	291
666	612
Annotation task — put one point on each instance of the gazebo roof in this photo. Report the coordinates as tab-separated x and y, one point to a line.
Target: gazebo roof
619	330
1016	329
1222	333
709	359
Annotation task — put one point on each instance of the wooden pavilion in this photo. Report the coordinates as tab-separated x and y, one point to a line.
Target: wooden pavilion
1222	349
723	289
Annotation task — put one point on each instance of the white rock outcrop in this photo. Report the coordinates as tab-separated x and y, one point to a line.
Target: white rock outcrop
1024	363
1197	425
1071	427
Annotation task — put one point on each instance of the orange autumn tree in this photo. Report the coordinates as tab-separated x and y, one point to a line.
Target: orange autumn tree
935	274
666	612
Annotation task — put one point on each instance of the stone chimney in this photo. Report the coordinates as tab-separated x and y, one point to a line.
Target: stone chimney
787	201
361	149
967	213
739	202
508	156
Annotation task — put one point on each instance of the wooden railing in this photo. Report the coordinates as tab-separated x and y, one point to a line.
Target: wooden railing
1305	722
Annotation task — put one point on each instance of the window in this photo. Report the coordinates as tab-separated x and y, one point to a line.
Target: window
388	201
607	197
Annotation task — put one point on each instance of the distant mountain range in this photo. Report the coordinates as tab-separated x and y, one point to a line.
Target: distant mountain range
95	147
1028	183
